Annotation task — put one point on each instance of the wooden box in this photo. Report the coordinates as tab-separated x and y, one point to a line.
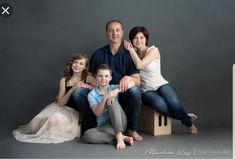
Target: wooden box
153	123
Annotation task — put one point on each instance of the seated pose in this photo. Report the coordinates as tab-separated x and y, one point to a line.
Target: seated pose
110	117
157	92
123	72
57	123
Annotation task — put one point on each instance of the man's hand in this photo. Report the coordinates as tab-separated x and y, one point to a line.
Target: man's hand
124	83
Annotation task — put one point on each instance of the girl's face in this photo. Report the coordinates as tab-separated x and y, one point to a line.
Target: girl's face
139	41
103	77
78	65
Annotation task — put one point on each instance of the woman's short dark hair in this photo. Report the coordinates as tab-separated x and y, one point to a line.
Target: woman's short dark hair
136	30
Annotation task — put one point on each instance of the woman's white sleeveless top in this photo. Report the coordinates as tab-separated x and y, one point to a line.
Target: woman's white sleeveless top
151	78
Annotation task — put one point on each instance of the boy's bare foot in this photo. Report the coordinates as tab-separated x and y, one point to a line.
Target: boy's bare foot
193	129
120	141
128	140
135	135
193	116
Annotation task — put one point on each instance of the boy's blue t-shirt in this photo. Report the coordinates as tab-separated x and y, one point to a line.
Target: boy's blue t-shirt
94	98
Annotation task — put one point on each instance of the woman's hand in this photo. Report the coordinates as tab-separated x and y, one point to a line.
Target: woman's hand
128	45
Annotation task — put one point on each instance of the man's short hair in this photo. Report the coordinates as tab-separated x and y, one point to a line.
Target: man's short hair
113	21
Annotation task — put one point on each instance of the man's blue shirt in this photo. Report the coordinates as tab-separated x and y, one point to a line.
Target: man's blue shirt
120	63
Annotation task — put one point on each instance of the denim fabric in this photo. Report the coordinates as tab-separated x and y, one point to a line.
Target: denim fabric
165	101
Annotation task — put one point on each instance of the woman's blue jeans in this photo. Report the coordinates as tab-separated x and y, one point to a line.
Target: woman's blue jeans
165	101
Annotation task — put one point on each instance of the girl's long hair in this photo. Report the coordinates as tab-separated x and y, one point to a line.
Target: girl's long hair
68	72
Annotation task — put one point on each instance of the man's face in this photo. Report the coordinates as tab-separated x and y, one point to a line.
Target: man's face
115	32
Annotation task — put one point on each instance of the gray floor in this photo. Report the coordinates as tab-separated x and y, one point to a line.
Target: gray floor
208	143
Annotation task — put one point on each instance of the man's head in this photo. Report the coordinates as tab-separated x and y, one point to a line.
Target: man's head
114	31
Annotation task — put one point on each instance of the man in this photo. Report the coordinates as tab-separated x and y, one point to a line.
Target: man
124	71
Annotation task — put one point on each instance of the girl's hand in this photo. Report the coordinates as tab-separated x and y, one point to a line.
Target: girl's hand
78	84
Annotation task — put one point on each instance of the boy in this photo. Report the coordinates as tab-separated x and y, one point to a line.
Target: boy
110	117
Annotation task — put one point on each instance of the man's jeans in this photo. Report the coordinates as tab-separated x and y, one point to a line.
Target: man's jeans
79	97
131	103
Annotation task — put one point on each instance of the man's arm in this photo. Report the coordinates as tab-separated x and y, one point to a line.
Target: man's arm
127	80
136	79
91	79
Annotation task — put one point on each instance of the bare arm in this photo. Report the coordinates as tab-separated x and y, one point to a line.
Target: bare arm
63	97
99	109
128	81
148	58
91	80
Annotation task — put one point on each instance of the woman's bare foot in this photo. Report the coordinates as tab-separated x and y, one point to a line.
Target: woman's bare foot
120	141
128	140
135	135
193	129
193	116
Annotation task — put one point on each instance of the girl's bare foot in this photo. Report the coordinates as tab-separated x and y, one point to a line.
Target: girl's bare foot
128	140
135	135
120	141
193	116
193	129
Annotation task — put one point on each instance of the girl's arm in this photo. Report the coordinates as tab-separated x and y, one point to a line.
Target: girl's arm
63	97
86	85
91	80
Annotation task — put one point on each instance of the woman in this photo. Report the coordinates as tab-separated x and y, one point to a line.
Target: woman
57	123
157	92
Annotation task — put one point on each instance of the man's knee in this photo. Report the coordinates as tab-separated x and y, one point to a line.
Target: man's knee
80	92
134	91
79	95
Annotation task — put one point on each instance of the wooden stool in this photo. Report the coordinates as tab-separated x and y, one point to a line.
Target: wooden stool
79	130
153	123
79	125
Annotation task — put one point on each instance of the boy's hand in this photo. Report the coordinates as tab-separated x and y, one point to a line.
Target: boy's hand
111	96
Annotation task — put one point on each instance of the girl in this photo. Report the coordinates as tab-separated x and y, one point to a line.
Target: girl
57	122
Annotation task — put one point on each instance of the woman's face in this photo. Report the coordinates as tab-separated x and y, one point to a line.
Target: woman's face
78	65
139	41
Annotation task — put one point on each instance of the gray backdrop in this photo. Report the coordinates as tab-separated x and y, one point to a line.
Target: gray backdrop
195	37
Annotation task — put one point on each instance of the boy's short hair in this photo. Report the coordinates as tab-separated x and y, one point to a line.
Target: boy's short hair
103	67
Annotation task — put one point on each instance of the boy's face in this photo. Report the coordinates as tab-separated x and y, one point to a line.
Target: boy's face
103	77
